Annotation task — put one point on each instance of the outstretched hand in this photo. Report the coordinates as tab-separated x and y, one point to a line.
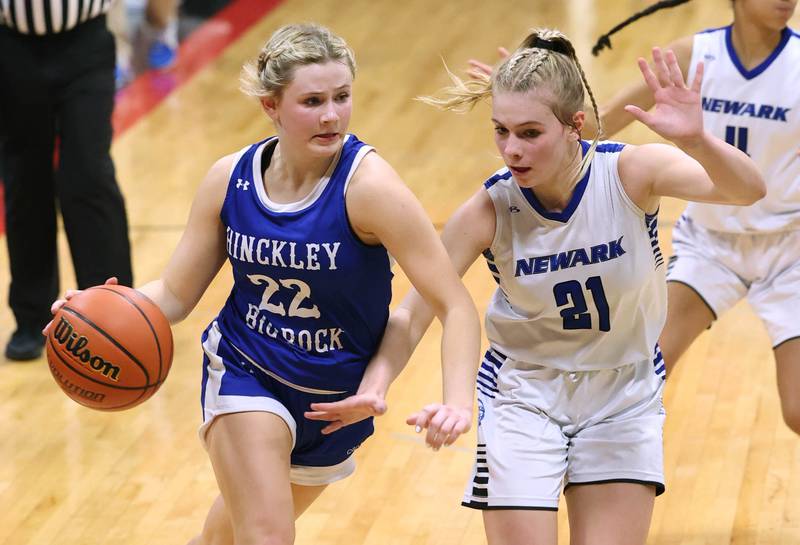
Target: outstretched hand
443	422
677	114
480	70
347	411
69	294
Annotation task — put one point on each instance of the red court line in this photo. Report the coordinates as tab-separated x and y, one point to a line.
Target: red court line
201	47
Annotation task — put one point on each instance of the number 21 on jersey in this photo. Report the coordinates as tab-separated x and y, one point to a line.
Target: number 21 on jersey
577	315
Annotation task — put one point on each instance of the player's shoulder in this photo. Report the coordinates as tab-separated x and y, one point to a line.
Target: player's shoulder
638	165
225	164
220	171
792	38
717	30
605	147
373	175
642	158
500	176
699	42
371	165
214	187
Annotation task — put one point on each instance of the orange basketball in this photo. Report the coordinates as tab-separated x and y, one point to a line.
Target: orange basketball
109	348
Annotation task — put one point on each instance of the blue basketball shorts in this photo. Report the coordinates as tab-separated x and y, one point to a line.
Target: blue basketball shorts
233	382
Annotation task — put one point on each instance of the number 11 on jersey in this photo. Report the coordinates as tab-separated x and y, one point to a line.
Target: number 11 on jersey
737	136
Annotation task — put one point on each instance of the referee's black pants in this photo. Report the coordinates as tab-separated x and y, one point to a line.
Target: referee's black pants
59	90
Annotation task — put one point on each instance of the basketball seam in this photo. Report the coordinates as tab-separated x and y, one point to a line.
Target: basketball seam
78	371
149	324
133	403
146	319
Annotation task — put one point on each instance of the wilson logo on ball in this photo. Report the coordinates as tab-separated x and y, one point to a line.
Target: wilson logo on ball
76	345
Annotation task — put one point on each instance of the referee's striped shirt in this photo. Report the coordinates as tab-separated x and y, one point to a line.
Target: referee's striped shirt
40	17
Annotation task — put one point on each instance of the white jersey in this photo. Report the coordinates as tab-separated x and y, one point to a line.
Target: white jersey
582	289
758	111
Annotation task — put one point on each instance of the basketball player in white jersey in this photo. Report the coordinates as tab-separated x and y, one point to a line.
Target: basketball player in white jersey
722	254
569	392
307	220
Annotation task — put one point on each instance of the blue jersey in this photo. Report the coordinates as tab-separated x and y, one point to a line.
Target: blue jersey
310	300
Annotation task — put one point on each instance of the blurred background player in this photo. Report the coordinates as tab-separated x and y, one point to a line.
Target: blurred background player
723	254
147	33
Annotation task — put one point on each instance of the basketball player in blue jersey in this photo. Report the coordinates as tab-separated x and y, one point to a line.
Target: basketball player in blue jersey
569	392
722	254
307	220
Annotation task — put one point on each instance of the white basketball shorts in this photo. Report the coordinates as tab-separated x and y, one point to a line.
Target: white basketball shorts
722	268
543	429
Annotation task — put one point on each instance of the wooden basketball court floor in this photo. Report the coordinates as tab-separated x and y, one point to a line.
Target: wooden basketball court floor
72	476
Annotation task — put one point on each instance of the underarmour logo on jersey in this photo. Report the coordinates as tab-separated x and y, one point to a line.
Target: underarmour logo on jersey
709	57
242	184
513	209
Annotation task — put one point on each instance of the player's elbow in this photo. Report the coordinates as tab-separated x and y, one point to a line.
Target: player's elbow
756	191
174	303
760	191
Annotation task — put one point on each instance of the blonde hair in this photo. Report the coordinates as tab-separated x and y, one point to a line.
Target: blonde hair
289	47
545	60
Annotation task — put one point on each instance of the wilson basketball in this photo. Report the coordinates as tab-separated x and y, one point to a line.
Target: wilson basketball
109	348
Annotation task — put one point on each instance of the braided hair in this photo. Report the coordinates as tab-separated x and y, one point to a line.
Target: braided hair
605	40
546	60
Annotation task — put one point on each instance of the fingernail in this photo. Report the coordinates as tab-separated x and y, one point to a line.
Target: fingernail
417	428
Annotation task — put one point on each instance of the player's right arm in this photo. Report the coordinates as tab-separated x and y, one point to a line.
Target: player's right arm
468	232
200	252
